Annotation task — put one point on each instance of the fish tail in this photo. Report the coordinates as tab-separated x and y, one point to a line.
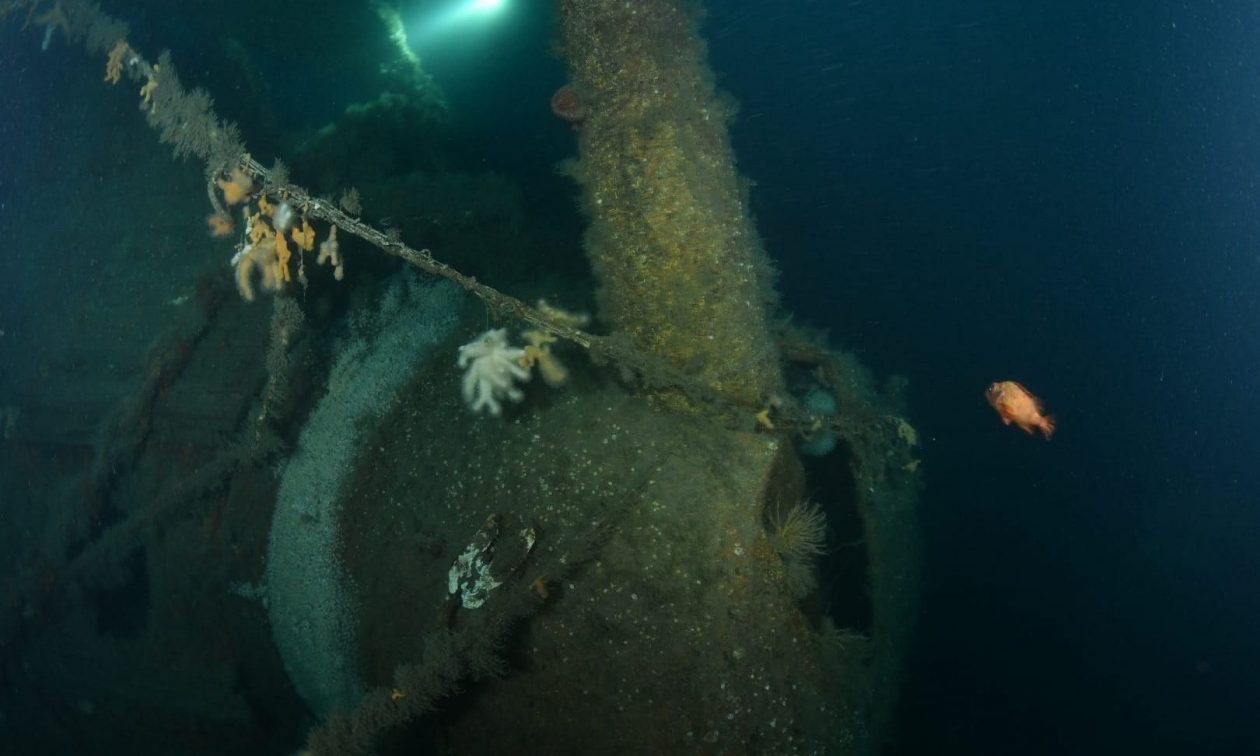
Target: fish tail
1048	426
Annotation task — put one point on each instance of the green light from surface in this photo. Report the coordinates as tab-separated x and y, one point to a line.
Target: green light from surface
454	17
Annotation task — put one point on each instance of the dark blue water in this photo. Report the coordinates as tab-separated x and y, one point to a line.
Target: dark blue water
1064	194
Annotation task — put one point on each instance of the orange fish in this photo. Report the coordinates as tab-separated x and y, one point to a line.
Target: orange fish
1016	404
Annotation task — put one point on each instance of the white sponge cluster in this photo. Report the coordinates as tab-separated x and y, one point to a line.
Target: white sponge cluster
492	369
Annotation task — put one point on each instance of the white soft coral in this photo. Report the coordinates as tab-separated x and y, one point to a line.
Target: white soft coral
493	369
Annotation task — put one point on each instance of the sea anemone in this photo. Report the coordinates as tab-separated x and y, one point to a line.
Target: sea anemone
800	533
567	105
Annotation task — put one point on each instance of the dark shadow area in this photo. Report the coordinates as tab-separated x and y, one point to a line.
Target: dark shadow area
843	569
122	611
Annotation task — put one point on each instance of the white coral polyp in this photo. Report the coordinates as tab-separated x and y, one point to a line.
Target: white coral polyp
493	369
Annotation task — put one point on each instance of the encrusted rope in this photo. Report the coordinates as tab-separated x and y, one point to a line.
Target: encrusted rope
186	119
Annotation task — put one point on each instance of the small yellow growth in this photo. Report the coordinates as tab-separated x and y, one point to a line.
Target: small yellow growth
563	317
330	252
146	92
763	419
114	66
237	187
538	352
907	433
306	237
912	466
265	207
397	694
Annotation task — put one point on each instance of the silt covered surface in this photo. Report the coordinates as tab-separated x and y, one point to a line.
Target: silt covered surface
663	618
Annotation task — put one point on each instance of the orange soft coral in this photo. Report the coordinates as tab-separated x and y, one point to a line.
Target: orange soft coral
260	253
270	245
538	352
146	92
283	255
330	252
236	187
305	237
257	230
220	225
261	257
